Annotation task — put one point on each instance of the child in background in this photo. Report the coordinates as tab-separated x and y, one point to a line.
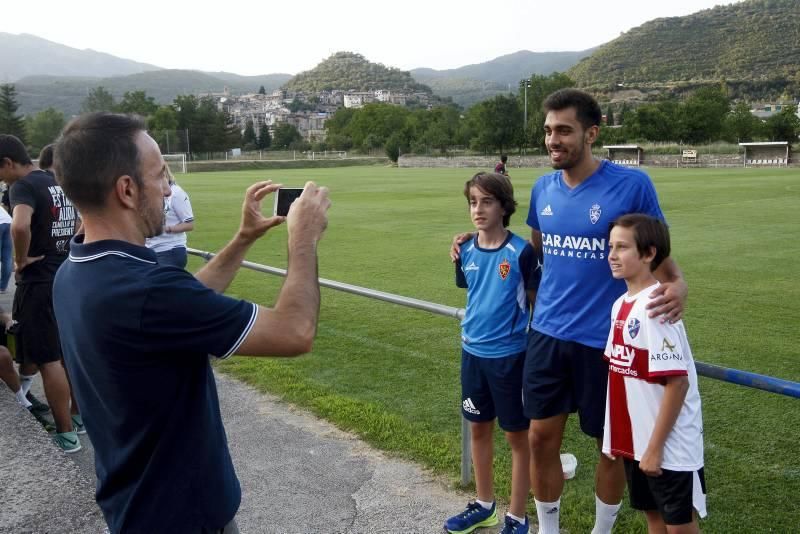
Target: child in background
653	415
500	272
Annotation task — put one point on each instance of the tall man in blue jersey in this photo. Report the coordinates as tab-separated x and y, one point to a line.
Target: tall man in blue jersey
570	211
137	335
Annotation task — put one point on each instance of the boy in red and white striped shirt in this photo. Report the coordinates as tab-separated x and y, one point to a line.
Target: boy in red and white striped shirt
653	415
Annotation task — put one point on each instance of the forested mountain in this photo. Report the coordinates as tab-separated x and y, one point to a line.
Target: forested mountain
472	83
27	55
754	44
67	93
508	69
350	71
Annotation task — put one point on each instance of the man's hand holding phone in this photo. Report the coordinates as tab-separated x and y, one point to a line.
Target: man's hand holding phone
308	215
254	224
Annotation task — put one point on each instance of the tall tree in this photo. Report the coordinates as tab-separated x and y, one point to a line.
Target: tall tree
655	122
10	122
98	99
741	125
249	140
137	102
703	113
264	139
372	125
262	91
208	128
44	128
496	123
540	88
285	135
163	126
784	125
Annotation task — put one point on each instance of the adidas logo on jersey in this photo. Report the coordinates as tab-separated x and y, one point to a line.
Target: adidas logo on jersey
469	407
471	267
547	210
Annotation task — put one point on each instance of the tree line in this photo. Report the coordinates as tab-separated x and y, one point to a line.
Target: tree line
707	115
514	122
505	123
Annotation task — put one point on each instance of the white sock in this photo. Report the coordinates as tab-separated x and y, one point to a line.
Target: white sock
520	519
21	399
604	516
548	515
26	381
486	505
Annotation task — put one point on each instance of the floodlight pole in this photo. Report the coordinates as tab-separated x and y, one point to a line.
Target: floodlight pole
525	116
525	85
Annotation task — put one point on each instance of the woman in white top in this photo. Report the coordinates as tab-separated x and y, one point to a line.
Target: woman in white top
170	246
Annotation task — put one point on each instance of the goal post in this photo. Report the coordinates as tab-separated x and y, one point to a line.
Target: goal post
176	163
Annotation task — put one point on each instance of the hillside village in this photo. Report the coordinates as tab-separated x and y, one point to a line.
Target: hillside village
305	111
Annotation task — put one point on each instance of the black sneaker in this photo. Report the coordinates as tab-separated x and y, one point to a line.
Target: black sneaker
37	406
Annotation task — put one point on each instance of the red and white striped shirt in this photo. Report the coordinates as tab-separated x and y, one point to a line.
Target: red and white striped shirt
641	352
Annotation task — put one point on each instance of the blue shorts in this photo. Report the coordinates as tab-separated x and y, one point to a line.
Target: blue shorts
565	377
492	388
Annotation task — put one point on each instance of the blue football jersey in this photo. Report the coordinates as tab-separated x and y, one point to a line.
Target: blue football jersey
577	290
497	316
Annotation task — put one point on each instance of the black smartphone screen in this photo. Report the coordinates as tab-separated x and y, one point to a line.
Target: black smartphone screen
284	198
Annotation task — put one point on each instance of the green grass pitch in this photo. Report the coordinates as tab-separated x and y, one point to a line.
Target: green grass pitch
391	374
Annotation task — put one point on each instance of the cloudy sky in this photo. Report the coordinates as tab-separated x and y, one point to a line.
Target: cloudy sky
261	37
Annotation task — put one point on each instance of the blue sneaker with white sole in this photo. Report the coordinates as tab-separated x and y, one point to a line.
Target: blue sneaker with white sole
512	526
474	516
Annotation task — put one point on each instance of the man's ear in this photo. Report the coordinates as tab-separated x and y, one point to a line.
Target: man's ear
591	135
127	191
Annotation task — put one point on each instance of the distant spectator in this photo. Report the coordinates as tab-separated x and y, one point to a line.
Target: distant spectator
46	159
500	168
43	222
170	245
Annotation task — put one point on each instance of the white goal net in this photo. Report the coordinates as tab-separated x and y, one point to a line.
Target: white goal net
176	163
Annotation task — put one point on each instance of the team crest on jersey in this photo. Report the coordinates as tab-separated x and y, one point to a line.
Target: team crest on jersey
633	327
504	268
594	213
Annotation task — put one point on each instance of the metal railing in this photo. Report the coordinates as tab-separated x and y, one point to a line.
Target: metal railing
725	374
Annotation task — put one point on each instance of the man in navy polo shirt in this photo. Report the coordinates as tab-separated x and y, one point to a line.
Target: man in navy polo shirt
136	335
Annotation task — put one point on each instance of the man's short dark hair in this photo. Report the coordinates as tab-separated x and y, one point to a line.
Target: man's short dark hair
503	158
587	110
648	232
46	157
12	148
94	150
497	185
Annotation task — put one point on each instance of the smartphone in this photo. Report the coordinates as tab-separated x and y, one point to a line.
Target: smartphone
284	198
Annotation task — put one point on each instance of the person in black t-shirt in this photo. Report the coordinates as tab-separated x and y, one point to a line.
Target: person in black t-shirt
43	222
